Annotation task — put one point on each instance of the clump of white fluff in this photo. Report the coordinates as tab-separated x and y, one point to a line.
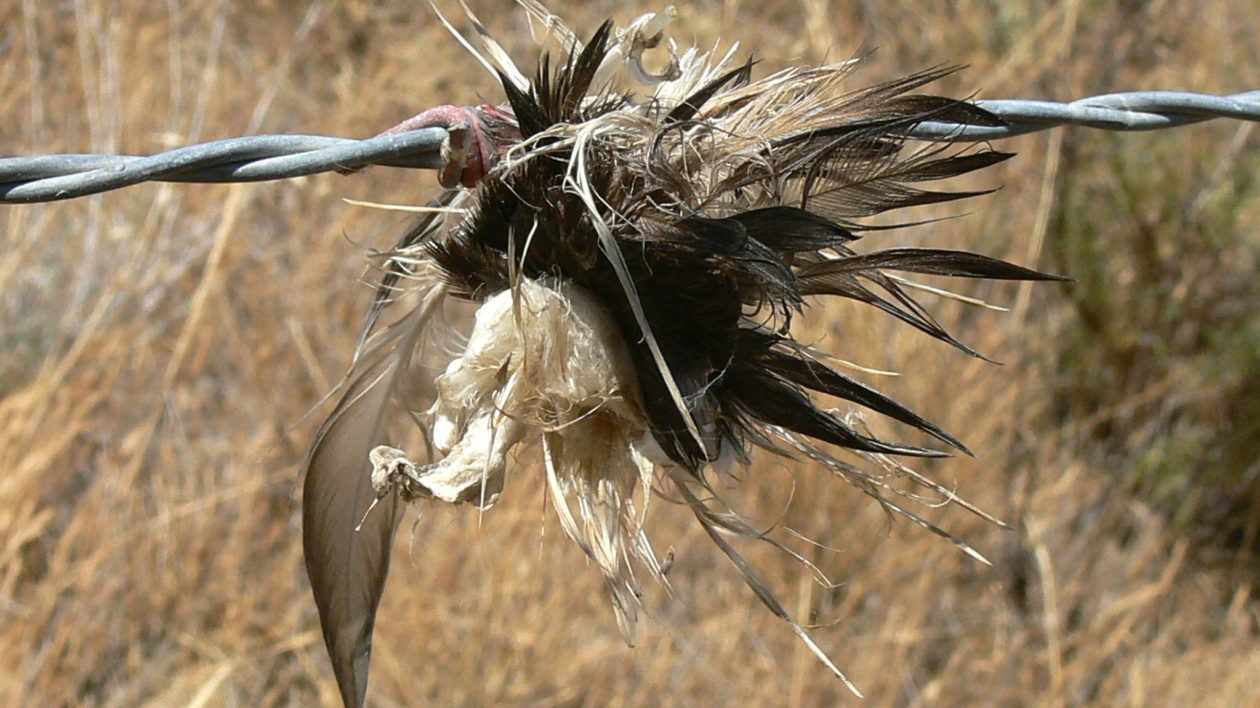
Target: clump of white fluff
546	363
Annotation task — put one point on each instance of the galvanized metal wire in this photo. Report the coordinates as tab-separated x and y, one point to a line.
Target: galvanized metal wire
1138	110
46	178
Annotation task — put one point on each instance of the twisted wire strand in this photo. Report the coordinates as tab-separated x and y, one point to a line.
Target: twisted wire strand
1138	110
45	178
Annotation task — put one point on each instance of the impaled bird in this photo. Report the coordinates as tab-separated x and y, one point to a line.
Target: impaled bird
638	244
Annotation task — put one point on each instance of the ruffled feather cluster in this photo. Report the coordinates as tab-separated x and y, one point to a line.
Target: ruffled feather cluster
638	256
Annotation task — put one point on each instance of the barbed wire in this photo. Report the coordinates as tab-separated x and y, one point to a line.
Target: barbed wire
45	178
1137	110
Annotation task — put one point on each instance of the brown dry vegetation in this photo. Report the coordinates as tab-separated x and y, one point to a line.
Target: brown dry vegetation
159	347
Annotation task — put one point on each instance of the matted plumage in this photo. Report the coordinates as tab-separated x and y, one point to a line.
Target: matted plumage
638	244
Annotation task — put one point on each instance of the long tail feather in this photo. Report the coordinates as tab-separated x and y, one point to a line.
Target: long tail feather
346	548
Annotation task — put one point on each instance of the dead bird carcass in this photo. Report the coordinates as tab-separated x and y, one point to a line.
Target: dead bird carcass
638	256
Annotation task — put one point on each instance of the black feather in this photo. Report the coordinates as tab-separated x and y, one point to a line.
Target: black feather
693	103
758	393
930	261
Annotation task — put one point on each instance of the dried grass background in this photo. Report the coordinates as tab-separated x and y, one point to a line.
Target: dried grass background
159	347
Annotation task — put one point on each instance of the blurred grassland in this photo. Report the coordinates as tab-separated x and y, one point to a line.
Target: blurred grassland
160	346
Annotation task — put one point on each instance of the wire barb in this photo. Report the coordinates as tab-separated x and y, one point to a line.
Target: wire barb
46	178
